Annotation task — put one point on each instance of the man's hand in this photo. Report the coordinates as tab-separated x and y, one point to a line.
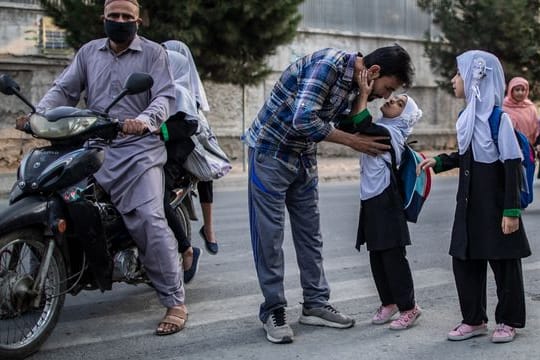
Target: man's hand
21	122
369	144
134	127
509	224
366	144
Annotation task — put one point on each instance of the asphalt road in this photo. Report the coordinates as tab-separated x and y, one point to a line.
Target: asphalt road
223	298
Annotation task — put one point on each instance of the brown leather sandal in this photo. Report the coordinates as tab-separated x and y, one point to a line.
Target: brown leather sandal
176	317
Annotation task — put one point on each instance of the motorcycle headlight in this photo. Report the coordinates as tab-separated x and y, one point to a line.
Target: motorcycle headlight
61	128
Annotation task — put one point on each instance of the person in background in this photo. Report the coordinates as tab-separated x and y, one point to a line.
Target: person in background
204	188
522	111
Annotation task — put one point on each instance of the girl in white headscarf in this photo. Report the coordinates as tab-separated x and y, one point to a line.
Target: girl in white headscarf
382	224
487	225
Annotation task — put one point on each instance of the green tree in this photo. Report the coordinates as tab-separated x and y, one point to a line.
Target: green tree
229	39
507	28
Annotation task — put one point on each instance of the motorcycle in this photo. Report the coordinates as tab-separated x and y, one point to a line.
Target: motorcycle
60	233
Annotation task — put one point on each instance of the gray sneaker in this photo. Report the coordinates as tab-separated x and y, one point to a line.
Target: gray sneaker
326	315
277	329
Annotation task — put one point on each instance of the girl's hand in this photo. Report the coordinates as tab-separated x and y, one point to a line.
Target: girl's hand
509	224
425	164
365	85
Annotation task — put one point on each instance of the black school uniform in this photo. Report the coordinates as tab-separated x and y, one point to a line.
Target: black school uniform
383	228
484	191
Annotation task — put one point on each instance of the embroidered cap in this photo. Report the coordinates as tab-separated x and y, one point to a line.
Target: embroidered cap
134	2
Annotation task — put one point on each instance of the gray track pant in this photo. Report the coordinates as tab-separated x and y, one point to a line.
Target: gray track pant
273	185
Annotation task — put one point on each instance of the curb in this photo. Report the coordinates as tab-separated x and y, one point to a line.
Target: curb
330	169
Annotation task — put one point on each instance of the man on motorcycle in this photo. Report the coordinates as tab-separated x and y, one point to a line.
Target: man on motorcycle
132	172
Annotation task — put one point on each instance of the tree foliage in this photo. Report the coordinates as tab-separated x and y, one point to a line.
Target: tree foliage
507	28
229	39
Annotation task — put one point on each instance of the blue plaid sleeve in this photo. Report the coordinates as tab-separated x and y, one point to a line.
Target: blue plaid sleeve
314	87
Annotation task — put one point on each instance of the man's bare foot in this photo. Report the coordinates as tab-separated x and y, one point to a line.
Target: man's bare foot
174	320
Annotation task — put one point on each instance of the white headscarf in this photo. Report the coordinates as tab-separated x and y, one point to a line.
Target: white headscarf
483	81
374	170
401	127
195	83
184	98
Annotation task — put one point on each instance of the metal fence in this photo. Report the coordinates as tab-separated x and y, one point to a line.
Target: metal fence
367	17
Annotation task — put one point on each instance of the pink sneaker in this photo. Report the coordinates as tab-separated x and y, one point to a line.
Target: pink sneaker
465	331
384	314
406	319
503	333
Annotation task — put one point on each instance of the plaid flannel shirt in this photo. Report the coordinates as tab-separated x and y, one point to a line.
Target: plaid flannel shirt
311	94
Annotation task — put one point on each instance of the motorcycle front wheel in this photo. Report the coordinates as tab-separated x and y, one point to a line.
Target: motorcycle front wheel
25	322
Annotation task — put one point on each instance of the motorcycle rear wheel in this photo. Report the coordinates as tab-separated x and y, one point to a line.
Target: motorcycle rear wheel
183	215
24	326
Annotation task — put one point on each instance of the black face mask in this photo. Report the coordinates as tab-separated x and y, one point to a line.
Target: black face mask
120	32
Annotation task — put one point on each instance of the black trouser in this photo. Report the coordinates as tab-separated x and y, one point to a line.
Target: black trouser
393	278
206	191
173	220
470	276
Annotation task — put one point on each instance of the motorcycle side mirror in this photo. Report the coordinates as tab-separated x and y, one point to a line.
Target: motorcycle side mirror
135	83
8	86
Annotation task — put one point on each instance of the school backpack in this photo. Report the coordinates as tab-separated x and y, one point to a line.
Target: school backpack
526	191
414	189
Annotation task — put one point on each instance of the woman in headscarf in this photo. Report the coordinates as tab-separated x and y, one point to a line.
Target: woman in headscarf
204	188
179	127
487	223
521	109
194	80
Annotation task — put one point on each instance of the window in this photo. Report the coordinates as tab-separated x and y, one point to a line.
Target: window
52	39
367	17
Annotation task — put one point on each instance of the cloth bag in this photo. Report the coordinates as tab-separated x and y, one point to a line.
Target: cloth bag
207	161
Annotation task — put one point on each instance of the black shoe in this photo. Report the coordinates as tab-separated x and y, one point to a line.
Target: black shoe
212	248
190	273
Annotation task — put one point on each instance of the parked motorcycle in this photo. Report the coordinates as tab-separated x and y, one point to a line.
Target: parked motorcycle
61	234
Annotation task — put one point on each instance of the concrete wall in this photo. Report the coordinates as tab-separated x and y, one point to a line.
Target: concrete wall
232	107
20	29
